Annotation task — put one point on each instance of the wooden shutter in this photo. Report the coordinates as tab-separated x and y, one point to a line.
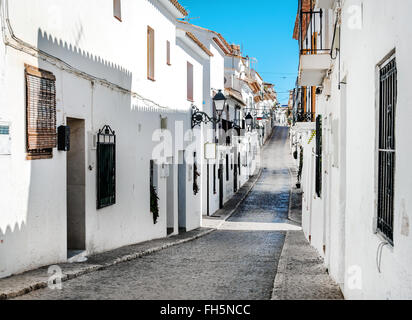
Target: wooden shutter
150	54
168	53
117	9
189	81
40	113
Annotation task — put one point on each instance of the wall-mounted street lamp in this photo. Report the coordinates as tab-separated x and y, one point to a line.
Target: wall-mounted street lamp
199	117
249	120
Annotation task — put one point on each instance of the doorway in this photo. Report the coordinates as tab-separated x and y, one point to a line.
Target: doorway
220	176
76	183
182	192
170	200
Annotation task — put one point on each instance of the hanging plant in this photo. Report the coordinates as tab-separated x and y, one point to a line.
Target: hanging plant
154	204
196	174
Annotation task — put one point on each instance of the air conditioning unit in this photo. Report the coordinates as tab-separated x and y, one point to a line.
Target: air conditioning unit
325	4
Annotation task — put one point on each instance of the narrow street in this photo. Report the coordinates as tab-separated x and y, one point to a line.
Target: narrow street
239	261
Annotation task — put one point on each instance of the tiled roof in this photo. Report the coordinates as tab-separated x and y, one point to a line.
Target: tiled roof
235	95
201	45
179	7
225	47
221	46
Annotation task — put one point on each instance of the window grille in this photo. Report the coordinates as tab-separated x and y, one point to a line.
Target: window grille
318	186
41	135
387	151
106	167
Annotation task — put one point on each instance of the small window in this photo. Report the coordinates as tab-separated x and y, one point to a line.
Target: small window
387	147
41	135
189	81
168	53
117	9
150	54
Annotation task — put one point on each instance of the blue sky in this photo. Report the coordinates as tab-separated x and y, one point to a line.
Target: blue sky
263	27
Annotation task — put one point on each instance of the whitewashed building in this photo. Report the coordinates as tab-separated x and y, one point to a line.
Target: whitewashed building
68	68
352	116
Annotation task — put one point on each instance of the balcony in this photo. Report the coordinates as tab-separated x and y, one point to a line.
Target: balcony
310	30
313	69
304	117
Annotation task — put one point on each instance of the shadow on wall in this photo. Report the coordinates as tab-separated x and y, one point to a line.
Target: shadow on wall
35	234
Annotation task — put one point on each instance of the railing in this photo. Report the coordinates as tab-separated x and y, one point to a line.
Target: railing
304	117
311	29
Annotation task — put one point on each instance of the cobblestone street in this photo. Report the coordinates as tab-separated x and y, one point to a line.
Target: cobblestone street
238	261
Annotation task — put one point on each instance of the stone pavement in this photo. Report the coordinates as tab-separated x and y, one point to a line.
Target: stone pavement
301	273
32	280
237	261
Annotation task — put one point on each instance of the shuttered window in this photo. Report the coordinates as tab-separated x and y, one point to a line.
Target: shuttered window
387	148
41	134
189	81
150	54
117	9
168	53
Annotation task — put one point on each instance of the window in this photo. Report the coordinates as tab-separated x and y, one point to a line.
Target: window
106	167
239	163
168	53
386	151
214	179
117	9
318	183
227	167
150	54
189	81
41	134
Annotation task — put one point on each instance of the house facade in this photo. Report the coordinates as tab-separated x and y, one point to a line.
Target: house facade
351	117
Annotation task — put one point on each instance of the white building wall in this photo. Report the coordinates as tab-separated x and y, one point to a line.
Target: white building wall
350	170
33	226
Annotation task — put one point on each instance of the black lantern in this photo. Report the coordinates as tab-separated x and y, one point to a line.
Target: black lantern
220	102
249	120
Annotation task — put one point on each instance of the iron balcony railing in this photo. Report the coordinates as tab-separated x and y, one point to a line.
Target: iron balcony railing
311	29
304	117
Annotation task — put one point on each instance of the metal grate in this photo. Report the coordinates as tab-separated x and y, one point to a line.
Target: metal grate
387	155
106	167
318	185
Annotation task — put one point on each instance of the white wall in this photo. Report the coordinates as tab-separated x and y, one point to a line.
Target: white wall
350	180
33	219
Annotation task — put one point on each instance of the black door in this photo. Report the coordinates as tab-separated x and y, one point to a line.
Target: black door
220	175
235	178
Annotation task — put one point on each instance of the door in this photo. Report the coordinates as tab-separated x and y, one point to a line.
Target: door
170	199
220	176
182	192
76	169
